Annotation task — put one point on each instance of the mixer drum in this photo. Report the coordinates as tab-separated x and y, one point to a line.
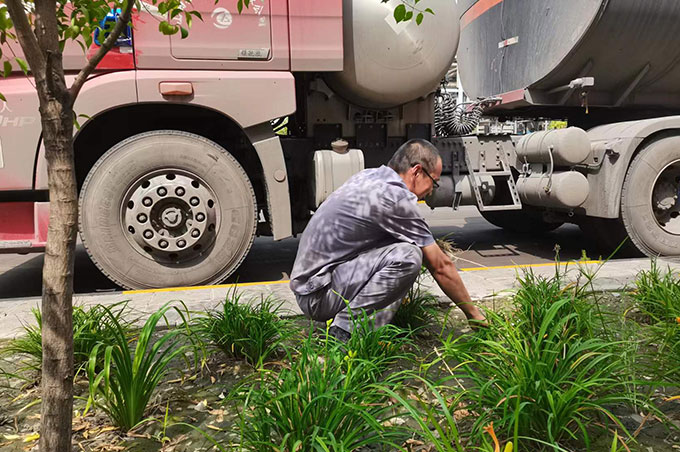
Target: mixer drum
388	63
630	47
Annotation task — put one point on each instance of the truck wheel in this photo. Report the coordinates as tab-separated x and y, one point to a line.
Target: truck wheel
525	221
649	200
167	208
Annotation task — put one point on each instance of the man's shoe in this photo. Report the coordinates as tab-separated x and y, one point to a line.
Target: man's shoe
340	334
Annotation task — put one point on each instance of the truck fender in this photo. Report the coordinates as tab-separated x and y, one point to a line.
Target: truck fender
618	143
269	150
100	93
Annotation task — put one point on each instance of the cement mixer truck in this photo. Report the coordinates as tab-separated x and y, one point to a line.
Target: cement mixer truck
179	163
610	68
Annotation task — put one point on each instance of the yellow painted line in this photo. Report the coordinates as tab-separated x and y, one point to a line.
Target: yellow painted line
218	286
547	264
286	281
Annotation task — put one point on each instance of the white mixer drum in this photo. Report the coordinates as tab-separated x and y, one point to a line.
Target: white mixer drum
389	63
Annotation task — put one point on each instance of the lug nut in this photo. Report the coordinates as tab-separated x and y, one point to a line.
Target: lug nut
162	191
147	202
200	216
179	191
163	243
195	233
181	243
141	218
194	201
148	234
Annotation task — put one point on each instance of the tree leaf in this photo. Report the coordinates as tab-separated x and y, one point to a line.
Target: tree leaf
22	64
429	10
184	32
419	18
399	13
239	6
2	97
409	16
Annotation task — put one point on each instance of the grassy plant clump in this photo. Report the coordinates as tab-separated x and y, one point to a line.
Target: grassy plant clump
382	346
419	307
90	326
538	373
537	295
243	330
328	399
657	296
129	377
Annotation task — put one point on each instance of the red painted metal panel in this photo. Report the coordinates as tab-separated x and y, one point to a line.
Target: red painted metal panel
16	221
315	35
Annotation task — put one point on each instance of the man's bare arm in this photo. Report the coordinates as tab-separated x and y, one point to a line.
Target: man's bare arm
445	273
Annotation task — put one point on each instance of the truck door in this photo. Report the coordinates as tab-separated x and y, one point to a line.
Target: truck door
224	34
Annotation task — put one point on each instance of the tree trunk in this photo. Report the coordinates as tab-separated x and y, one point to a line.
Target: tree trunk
57	308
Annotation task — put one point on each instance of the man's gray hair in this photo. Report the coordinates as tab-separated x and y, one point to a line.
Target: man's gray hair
413	152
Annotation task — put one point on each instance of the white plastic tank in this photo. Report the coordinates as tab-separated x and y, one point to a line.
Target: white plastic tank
388	63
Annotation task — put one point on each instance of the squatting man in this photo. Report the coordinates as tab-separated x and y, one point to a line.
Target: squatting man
364	247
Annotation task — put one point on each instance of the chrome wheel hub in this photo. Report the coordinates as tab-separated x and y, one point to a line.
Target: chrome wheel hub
170	216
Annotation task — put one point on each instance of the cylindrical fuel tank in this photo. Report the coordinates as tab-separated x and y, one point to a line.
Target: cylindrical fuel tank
566	147
630	47
566	189
388	63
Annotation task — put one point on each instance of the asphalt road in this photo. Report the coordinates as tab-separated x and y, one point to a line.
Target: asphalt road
481	244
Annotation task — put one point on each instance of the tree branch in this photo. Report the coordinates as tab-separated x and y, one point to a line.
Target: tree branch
27	39
107	45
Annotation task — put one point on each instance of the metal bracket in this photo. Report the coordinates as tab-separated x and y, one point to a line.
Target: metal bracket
504	173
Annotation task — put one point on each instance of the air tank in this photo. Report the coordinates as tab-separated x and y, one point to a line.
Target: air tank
387	63
630	47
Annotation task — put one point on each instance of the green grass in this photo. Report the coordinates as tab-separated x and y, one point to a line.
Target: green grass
382	347
326	399
537	295
657	296
543	371
129	377
418	309
90	326
244	331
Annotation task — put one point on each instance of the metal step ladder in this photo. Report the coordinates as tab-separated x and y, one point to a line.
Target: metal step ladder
504	173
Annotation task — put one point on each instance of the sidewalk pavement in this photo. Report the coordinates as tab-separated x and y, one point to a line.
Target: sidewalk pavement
483	283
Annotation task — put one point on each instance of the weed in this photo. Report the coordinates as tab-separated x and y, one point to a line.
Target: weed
128	378
242	330
90	326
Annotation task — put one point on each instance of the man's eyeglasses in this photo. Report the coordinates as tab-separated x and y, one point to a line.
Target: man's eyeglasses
422	167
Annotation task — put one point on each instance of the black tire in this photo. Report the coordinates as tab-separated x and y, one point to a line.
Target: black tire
643	217
168	179
525	221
